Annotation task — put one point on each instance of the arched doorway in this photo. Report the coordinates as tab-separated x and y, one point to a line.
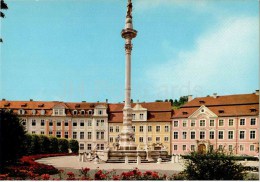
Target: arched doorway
202	148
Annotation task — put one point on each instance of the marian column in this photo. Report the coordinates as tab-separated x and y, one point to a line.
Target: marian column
126	140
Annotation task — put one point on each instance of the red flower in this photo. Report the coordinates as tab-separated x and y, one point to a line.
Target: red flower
45	177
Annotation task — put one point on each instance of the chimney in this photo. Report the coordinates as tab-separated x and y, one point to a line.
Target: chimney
257	92
190	98
83	101
215	95
106	100
3	99
31	99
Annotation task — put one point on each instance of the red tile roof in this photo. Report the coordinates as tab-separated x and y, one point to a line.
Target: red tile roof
156	111
231	105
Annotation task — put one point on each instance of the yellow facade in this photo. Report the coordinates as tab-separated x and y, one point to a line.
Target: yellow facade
156	135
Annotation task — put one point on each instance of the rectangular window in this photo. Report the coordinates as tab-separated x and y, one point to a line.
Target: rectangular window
175	147
89	135
66	134
158	139
252	134
211	122
117	129
166	139
242	122
183	147
42	122
192	147
175	123
81	135
58	134
230	134
184	135
141	139
133	116
89	146
133	127
23	122
230	122
252	148
74	135
149	128
141	116
252	121
81	146
56	112
166	128
158	128
50	123
81	123
102	135
221	122
175	135
50	133
192	135
211	134
58	123
61	111
111	129
241	147
220	147
111	139
202	122
74	123
230	148
220	135
89	123
102	122
102	146
42	132
33	122
97	135
192	123
242	134
184	123
98	123
33	132
100	112
66	123
141	129
149	139
202	134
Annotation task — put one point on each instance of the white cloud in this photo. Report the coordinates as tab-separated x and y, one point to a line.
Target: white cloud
224	60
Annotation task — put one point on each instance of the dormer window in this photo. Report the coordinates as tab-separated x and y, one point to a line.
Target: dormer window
77	105
221	111
21	111
253	110
184	113
202	102
100	112
75	112
82	112
90	112
58	112
133	116
33	112
40	105
7	104
24	105
42	112
141	116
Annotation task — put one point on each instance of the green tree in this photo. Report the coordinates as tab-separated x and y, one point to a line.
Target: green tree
213	165
27	144
63	145
12	135
3	7
54	146
35	145
74	146
44	144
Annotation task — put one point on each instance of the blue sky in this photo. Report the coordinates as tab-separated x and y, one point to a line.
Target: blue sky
72	50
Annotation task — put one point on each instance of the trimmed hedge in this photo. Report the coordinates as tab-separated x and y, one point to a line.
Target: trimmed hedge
74	146
235	158
42	144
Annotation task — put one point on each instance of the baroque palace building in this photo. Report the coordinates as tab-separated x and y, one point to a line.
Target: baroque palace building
228	122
